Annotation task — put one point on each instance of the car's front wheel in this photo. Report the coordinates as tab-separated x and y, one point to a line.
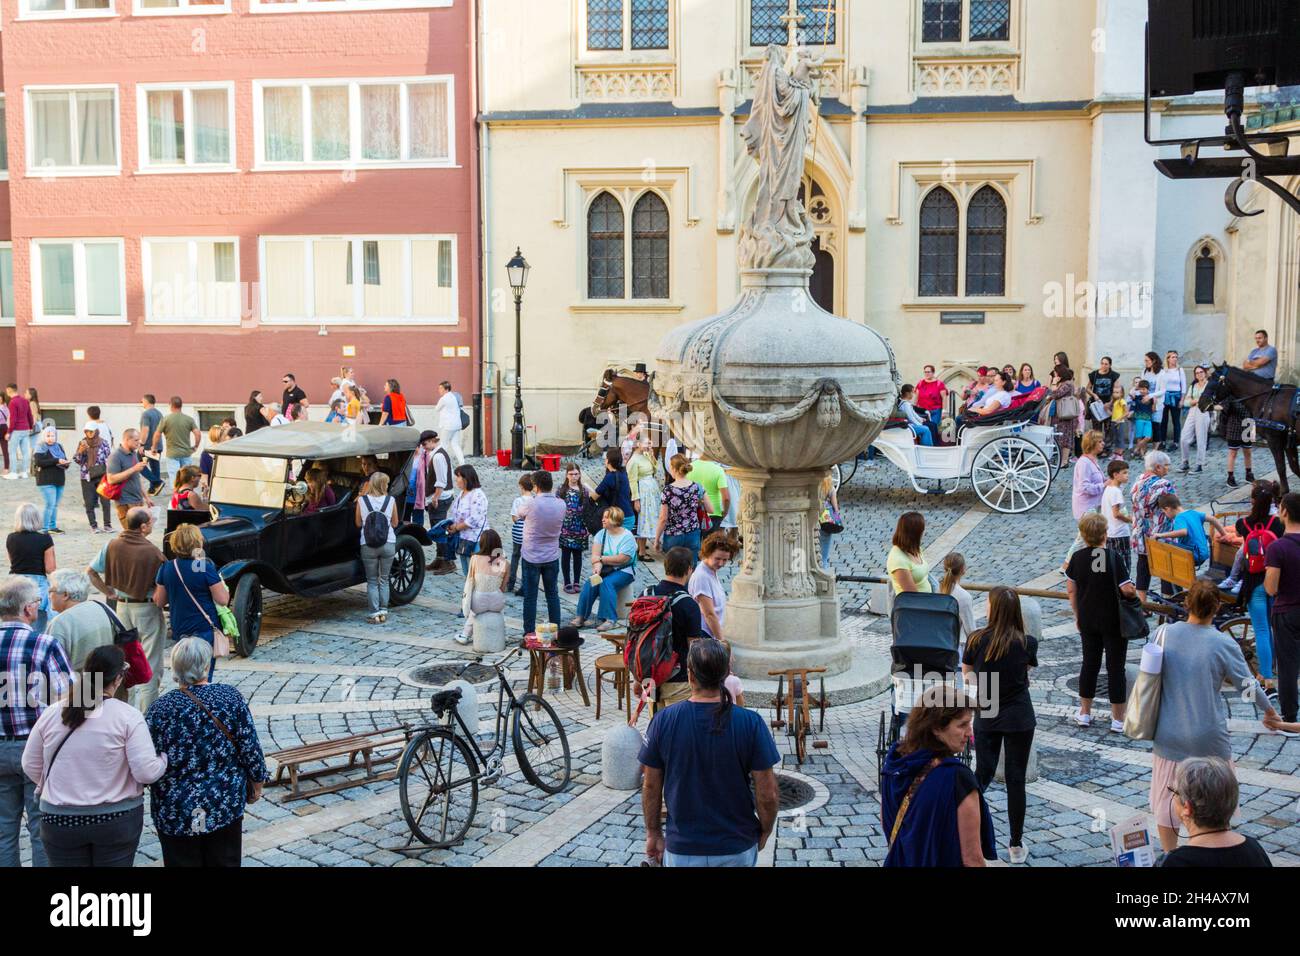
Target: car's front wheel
407	575
248	613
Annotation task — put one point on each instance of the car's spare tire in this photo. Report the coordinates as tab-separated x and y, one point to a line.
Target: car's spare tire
247	606
407	575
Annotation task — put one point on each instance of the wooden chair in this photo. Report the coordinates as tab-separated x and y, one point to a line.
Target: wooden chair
1170	563
611	669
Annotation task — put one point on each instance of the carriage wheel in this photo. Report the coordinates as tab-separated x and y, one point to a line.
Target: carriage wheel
1011	475
1238	628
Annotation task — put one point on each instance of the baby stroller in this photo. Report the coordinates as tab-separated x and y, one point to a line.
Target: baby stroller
927	633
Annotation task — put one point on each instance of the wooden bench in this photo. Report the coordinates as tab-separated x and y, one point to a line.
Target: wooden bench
362	746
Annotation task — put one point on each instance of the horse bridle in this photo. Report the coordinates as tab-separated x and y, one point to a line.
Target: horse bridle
606	384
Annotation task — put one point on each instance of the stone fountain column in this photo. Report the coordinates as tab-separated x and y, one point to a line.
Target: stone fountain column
779	390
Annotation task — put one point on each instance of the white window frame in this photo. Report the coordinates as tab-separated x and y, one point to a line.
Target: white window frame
35	171
82	316
358	286
626	53
353	84
146	278
7	321
69	12
187	91
966	45
325	6
186	9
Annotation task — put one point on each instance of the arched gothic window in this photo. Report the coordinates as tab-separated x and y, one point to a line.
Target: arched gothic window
650	248
605	253
939	219
986	243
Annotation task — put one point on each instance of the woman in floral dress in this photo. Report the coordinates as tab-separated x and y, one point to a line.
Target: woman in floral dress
1067	425
573	533
679	514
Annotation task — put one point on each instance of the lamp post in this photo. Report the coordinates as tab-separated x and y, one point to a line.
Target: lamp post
517	269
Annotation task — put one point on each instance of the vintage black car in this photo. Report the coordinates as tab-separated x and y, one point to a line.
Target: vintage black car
255	530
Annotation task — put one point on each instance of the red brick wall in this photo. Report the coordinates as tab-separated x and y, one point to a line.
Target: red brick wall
221	364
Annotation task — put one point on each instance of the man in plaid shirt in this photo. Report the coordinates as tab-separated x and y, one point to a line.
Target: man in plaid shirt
34	672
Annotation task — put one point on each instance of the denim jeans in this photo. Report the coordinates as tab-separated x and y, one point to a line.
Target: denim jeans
516	553
826	540
1260	608
610	584
51	495
549	573
689	541
923	434
17	794
745	858
173	465
464	557
21	444
378	562
152	472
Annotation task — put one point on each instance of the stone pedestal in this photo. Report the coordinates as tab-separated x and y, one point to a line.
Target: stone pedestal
1032	613
489	632
782	611
626	596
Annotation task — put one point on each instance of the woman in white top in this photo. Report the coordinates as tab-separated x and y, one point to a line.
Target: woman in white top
485	582
705	587
954	568
378	562
1197	424
469	515
1171	386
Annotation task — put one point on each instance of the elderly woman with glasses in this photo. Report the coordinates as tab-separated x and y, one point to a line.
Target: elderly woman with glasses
215	765
1204	798
79	625
31	554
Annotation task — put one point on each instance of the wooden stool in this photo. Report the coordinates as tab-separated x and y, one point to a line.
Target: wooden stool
570	667
612	665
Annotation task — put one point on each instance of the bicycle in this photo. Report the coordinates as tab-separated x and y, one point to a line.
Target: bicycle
441	767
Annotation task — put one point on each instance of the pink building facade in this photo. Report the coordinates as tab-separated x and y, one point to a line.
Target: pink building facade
202	197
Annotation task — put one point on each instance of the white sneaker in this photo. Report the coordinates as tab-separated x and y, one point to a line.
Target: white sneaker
1018	854
1082	719
1117	726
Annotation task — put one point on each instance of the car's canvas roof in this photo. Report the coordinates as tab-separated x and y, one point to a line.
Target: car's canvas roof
318	440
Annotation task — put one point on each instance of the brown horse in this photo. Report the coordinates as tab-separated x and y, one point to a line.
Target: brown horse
616	390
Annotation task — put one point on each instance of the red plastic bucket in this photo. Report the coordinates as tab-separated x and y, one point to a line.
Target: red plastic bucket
551	462
503	457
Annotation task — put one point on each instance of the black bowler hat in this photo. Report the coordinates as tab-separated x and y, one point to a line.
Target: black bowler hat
568	637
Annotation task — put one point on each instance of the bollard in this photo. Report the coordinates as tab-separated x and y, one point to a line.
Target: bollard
625	599
1031	771
1032	611
619	767
468	706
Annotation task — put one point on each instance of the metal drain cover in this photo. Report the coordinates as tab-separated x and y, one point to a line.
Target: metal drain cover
439	675
792	792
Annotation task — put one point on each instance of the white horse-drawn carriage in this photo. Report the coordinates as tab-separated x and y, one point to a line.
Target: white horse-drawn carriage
1009	459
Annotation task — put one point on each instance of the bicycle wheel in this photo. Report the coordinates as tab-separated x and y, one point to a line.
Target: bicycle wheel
541	745
439	788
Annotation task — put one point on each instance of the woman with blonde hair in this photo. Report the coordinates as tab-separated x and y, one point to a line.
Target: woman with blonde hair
679	513
188	496
613	565
642	478
190	588
319	493
830	514
954	569
377	560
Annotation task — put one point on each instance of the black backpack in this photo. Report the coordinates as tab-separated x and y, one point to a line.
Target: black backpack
375	525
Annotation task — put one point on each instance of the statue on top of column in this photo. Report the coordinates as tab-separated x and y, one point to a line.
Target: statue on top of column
779	234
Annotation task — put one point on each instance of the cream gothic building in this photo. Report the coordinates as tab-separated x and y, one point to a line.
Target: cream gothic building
977	177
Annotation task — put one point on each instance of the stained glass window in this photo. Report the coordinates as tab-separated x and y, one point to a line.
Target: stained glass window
990	19
605	248
941	21
650	248
604	24
938	243
986	243
649	24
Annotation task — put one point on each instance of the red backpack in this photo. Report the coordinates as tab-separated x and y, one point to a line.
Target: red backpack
1256	544
649	653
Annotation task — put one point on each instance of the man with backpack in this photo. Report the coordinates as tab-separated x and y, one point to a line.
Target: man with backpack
1282	583
661	625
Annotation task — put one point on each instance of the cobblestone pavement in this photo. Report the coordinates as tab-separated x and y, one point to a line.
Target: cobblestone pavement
322	672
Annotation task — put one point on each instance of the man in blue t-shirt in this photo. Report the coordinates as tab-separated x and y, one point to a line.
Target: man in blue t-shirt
699	756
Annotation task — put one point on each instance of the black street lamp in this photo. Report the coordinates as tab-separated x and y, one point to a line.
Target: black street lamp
517	269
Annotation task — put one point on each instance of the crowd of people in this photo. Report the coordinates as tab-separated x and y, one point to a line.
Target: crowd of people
708	760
